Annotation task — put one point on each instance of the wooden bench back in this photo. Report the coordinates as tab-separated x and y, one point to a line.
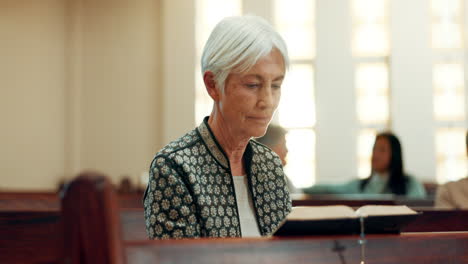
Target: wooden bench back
92	230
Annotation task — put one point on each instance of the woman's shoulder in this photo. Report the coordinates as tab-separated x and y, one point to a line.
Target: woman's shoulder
177	149
461	184
411	178
183	142
259	147
263	150
415	188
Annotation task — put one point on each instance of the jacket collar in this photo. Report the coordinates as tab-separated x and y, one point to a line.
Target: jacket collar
212	144
217	151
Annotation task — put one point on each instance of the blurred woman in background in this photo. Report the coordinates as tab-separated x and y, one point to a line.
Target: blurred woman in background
387	174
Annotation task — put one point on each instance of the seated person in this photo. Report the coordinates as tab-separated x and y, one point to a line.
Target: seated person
453	195
215	181
275	138
387	176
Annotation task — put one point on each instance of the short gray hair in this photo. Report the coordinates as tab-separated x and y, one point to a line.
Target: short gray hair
237	43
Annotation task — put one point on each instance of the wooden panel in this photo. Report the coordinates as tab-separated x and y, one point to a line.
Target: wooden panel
34	236
30	237
34	201
10	201
357	200
41	201
133	224
131	200
90	215
424	248
439	221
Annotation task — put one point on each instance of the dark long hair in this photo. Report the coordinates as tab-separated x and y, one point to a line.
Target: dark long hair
397	182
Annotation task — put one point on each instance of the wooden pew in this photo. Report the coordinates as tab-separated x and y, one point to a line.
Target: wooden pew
36	237
26	235
404	248
357	200
29	201
432	220
91	224
40	201
418	248
45	201
30	237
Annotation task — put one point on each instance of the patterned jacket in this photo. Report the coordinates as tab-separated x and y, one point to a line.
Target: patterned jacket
191	191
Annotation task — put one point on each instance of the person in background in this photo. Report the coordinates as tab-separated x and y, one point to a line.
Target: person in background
453	195
275	139
126	186
387	174
215	181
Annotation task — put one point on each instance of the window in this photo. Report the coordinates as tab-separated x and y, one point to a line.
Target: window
448	80
296	24
370	48
208	14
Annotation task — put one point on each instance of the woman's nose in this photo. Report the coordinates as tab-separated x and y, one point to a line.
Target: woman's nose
266	99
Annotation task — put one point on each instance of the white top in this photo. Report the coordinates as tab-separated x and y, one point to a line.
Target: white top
248	221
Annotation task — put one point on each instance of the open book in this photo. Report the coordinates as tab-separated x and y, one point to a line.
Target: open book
340	219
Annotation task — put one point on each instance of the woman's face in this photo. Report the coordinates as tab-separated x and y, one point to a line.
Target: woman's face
381	155
250	99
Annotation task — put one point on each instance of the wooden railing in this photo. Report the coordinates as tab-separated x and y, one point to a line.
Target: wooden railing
43	236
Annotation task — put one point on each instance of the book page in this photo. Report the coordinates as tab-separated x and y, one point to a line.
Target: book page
321	212
384	210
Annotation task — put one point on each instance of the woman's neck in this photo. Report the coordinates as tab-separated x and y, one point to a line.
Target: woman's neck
233	145
381	174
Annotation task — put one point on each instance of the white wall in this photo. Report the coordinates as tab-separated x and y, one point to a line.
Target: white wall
178	40
120	80
336	110
32	128
80	86
411	85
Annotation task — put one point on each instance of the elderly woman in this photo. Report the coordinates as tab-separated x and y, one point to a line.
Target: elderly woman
215	181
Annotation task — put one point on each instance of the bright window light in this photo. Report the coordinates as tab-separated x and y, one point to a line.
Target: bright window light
370	11
451	154
371	40
448	82
301	157
297	107
366	141
447	22
295	23
370	34
373	109
208	14
447	35
446	10
450	142
372	93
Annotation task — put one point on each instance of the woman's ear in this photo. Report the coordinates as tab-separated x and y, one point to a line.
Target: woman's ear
210	85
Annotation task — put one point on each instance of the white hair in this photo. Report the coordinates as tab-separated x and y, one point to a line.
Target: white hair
237	43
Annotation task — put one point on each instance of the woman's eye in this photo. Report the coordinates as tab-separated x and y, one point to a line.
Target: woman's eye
252	85
276	86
